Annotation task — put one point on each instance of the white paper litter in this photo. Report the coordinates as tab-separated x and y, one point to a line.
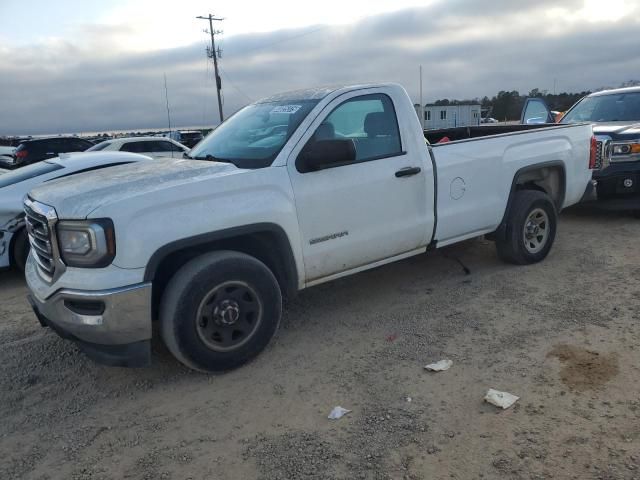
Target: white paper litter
439	366
338	412
500	399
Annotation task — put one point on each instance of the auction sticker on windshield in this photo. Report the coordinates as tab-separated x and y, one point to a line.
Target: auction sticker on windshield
286	109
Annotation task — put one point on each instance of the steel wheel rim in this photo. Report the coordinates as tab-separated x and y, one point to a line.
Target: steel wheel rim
536	230
229	316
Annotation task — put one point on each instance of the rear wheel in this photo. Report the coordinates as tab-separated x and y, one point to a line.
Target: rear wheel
220	310
20	249
530	228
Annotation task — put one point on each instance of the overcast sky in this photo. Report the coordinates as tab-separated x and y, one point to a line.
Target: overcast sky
73	66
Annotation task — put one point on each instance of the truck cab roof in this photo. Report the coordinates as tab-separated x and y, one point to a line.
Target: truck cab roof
317	93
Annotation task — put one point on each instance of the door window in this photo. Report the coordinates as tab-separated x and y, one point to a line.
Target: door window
59	146
134	147
370	121
168	147
78	145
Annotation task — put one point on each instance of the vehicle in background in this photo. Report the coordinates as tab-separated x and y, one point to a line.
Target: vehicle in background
6	153
38	149
15	184
97	140
12	141
154	147
488	120
295	190
188	138
615	115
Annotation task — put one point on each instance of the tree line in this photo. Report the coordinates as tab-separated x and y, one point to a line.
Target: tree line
507	105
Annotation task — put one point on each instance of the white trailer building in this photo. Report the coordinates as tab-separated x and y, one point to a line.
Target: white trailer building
447	116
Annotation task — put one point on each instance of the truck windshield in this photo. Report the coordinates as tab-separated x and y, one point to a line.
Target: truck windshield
253	137
619	107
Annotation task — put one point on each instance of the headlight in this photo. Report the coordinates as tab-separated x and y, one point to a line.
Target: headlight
626	152
87	243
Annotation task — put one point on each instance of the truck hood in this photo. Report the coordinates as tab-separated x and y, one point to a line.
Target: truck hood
77	196
617	129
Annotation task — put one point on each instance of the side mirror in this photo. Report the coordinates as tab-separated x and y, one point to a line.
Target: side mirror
535	111
536	121
321	154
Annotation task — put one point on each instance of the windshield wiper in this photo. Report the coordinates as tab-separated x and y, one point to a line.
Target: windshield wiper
211	158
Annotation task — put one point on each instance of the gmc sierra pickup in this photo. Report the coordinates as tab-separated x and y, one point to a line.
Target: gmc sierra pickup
615	116
292	191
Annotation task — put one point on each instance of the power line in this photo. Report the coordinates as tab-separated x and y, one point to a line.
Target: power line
282	40
226	76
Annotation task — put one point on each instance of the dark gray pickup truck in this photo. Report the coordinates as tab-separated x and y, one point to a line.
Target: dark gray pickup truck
615	115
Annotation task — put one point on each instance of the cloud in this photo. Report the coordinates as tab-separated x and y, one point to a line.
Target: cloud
467	49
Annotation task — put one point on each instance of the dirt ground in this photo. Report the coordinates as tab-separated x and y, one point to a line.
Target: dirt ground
564	335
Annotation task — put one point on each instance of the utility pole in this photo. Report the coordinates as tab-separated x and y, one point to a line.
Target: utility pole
214	54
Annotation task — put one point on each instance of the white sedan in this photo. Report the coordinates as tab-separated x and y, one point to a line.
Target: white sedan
15	184
155	147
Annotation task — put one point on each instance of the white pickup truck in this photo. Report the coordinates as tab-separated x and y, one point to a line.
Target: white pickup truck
292	191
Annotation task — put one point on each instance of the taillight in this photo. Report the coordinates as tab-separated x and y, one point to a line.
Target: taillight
21	154
593	153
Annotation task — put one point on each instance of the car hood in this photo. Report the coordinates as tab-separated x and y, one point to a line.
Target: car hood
617	129
77	196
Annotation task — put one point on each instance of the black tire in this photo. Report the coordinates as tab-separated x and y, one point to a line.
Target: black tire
20	249
516	246
200	300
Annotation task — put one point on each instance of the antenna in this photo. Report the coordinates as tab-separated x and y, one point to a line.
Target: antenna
166	97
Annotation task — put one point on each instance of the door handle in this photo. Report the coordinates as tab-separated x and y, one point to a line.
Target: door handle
407	172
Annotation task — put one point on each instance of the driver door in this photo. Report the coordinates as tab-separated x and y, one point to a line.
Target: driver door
370	209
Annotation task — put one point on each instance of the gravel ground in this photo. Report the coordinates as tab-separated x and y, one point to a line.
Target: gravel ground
563	335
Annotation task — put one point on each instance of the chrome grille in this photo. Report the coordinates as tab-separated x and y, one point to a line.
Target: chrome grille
603	152
598	155
40	221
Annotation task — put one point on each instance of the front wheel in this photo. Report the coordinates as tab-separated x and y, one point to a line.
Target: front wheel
530	228
220	310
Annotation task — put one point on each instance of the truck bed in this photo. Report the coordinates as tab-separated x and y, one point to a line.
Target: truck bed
474	179
467	133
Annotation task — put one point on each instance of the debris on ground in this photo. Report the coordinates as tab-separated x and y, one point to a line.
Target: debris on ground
338	412
500	399
439	366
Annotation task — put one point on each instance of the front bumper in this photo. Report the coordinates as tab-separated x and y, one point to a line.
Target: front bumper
619	186
112	326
